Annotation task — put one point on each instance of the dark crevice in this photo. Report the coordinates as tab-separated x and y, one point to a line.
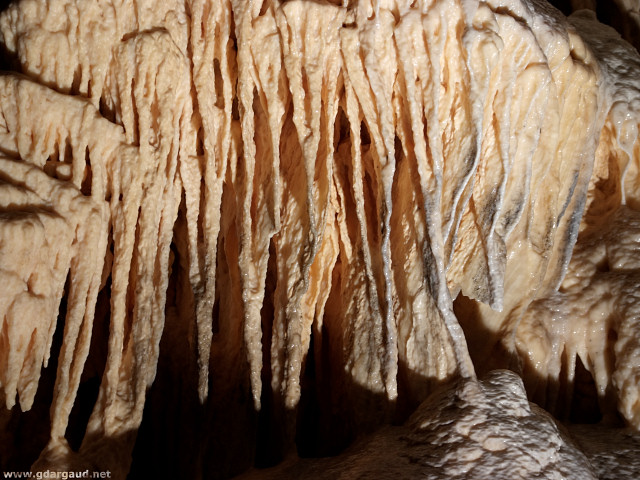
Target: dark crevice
267	449
584	404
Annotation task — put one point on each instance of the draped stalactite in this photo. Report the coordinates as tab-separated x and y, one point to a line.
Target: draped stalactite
279	201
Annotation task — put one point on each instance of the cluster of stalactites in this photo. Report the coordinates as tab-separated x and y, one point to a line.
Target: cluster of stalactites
348	168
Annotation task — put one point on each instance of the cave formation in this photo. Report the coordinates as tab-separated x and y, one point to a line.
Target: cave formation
238	232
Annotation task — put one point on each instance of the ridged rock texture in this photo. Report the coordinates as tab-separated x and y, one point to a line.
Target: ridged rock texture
230	229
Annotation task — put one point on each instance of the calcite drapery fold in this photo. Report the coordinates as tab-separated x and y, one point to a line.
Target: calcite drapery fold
300	189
